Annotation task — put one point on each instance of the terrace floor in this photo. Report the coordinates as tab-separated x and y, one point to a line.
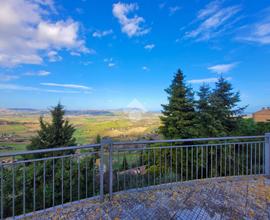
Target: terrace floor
220	198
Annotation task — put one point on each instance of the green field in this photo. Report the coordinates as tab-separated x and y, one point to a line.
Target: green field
16	130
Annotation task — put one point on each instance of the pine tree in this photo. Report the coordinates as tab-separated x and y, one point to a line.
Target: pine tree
208	125
224	107
179	117
58	133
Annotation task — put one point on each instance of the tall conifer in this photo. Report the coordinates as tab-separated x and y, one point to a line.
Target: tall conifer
179	117
58	133
224	107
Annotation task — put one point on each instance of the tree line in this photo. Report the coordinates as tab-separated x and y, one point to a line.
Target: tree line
215	113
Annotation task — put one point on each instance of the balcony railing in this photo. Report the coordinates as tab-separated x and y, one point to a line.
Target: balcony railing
37	180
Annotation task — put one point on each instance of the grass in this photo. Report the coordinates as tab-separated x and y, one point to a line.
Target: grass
15	146
20	128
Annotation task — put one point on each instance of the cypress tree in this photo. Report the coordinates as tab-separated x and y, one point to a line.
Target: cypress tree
179	117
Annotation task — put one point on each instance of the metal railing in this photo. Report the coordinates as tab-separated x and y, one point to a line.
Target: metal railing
40	179
33	181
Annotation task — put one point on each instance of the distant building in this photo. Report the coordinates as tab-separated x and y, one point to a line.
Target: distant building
262	116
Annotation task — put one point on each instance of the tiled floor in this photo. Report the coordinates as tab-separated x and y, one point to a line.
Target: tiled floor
221	198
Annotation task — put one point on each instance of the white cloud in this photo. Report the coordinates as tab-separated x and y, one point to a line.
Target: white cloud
59	91
111	64
100	34
59	34
222	68
130	26
199	81
10	87
174	9
258	32
149	46
145	68
43	73
211	8
73	53
8	77
38	73
26	32
263	29
17	87
213	20
207	80
53	56
71	86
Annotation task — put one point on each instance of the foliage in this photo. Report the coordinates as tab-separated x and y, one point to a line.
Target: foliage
215	113
208	126
57	134
224	107
48	178
250	127
179	117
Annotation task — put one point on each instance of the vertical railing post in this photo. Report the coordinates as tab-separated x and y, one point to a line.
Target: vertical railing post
101	171
2	191
267	154
110	168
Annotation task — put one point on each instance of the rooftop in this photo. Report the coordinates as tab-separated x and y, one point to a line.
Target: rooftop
216	198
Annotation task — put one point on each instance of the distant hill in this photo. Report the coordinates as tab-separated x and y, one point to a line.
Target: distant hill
89	112
21	111
30	111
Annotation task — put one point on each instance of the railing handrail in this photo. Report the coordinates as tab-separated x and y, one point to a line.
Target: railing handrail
48	150
187	140
186	146
49	158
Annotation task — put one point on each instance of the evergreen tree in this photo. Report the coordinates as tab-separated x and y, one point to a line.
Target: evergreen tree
58	133
224	107
179	117
208	125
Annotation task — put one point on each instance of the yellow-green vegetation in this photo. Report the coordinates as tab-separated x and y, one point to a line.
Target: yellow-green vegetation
17	130
118	127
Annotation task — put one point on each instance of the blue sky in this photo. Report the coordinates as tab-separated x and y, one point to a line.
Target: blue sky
102	54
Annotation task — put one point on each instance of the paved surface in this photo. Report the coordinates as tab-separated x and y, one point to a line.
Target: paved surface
221	198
